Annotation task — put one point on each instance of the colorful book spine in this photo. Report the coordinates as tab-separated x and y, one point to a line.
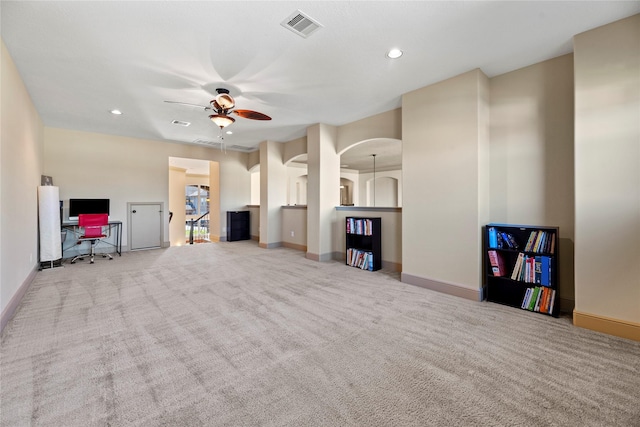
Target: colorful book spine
518	266
497	264
493	237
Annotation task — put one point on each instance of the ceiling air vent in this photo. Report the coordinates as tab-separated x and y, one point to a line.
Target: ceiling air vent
241	148
301	24
180	123
206	142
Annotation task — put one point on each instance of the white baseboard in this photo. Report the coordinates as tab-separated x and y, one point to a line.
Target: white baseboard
11	308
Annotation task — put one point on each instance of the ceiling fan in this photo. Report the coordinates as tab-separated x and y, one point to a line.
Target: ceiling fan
223	105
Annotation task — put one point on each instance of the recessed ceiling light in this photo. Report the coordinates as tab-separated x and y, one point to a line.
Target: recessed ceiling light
116	112
229	132
344	166
394	53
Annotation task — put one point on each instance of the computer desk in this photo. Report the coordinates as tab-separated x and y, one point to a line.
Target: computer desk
115	226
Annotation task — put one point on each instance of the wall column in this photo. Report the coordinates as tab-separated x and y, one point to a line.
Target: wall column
273	193
177	184
445	178
323	190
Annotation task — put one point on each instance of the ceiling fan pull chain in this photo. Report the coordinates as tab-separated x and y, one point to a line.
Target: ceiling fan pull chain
223	147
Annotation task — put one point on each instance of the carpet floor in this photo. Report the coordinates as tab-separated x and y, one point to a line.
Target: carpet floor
230	334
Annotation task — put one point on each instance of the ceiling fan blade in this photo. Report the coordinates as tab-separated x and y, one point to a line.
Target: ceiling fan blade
190	105
253	115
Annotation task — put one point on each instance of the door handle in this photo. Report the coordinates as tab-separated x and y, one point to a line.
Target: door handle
133	211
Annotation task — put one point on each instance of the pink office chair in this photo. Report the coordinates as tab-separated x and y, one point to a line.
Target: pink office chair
92	224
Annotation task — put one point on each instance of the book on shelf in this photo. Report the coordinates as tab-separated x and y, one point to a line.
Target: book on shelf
545	270
517	267
526	299
360	259
532	237
541	241
544	308
540	299
511	241
363	226
493	237
497	263
534	298
500	239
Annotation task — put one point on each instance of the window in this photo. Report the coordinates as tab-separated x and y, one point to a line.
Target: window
197	205
197	200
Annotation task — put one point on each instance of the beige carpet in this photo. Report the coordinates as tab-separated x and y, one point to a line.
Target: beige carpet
233	335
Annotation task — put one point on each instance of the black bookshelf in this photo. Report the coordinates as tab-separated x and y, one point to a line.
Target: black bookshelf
363	243
238	225
521	266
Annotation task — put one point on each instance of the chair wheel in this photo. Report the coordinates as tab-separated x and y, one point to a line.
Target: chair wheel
73	262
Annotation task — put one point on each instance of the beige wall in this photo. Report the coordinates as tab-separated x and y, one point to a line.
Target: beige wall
254	218
125	170
294	227
607	173
21	160
383	125
255	186
293	149
296	184
354	177
445	182
382	191
532	155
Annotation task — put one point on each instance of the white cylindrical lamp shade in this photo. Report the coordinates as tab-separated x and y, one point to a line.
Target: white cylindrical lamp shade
49	220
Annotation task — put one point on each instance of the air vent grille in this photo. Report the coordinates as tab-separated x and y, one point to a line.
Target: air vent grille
241	148
301	24
180	123
206	142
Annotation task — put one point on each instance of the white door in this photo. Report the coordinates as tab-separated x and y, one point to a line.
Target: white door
145	225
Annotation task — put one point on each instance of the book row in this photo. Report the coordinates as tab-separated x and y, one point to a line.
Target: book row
500	239
360	259
528	269
541	241
540	299
360	226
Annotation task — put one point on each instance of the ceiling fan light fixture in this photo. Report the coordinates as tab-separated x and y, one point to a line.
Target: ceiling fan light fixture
225	101
221	120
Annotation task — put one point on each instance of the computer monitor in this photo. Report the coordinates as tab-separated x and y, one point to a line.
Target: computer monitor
87	206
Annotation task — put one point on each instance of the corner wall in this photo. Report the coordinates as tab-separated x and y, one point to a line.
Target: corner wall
607	177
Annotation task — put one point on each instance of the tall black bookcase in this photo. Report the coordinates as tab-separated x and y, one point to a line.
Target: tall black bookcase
238	225
363	243
521	266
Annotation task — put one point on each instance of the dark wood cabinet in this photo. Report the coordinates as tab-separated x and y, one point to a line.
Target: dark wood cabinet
238	225
521	266
363	243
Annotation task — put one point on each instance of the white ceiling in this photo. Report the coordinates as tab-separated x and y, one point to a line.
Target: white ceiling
79	60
